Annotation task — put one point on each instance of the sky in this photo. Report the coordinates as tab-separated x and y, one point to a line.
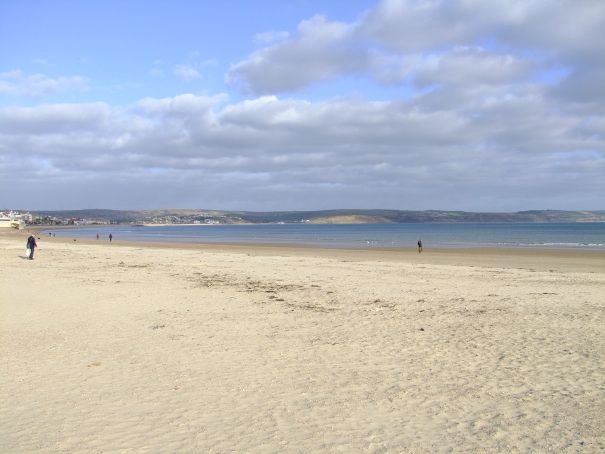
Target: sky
273	105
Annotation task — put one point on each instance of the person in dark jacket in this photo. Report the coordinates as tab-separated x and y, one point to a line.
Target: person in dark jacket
31	245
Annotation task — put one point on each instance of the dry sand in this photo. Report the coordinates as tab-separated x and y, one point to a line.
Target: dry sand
135	348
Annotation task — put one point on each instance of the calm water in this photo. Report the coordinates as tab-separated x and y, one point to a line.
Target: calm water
589	235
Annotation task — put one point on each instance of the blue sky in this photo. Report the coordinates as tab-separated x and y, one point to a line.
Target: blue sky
302	104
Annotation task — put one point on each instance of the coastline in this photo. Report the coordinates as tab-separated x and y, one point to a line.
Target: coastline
379	236
528	258
166	347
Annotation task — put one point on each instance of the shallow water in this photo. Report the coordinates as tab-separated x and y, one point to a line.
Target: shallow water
585	235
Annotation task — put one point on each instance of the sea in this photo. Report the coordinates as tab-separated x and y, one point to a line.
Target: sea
577	235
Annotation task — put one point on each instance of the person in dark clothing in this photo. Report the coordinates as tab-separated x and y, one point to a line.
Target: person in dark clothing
419	245
31	245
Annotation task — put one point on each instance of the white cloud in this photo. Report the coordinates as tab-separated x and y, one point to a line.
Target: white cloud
321	52
186	73
55	119
15	83
190	70
416	26
465	66
270	37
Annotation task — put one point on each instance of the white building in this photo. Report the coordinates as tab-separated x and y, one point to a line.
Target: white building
12	220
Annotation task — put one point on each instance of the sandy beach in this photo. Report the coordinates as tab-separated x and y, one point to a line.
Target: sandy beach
170	348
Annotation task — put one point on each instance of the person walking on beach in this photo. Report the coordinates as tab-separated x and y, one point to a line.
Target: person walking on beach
110	237
98	236
31	245
420	245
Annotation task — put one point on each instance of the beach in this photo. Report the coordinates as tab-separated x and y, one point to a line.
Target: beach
132	347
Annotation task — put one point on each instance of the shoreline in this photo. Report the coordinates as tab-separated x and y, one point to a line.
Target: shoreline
355	245
323	243
562	260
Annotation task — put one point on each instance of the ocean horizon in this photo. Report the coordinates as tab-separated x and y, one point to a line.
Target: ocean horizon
576	235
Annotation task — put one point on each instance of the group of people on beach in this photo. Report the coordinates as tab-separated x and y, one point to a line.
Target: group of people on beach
32	245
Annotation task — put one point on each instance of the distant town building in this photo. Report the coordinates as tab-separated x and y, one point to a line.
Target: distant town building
13	220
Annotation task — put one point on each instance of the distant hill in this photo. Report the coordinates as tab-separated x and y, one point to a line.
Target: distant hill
343	216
